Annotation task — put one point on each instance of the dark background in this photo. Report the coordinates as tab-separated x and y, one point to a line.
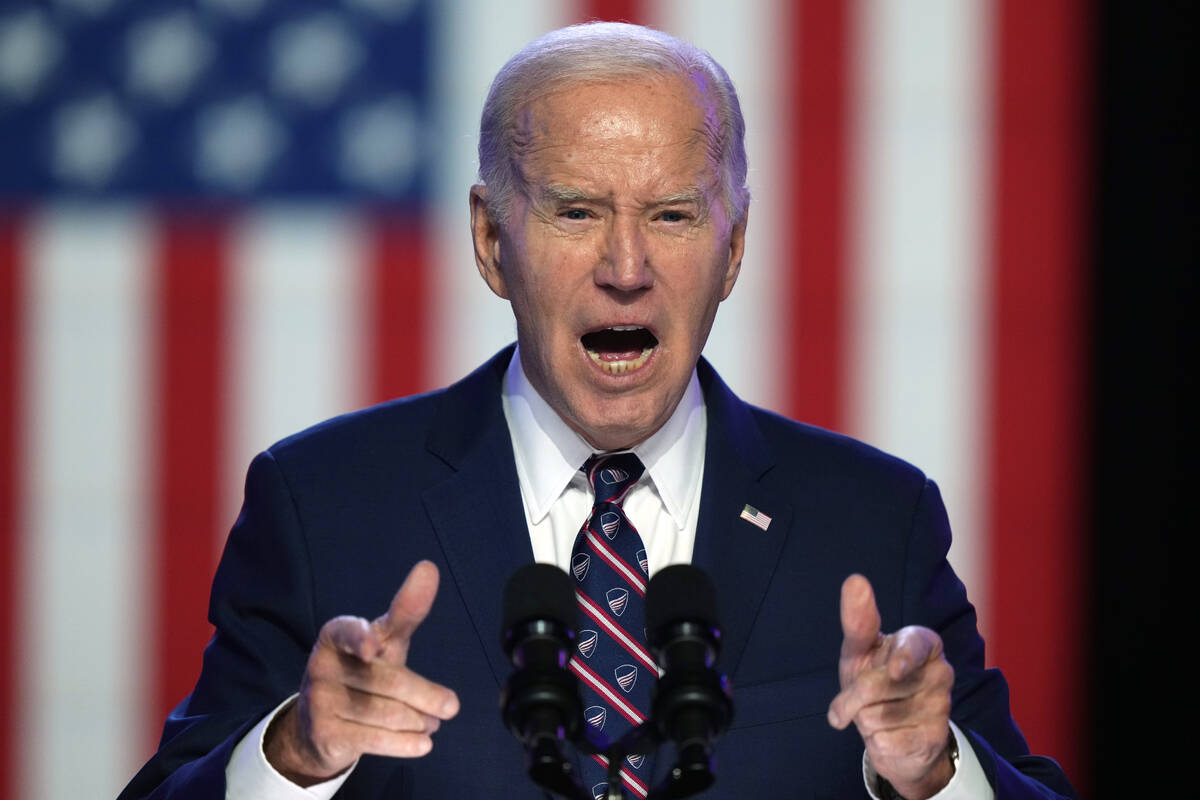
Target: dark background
1145	223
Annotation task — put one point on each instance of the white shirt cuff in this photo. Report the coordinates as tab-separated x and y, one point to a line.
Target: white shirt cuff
968	782
249	776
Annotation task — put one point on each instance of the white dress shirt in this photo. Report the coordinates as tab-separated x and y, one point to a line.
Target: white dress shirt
664	506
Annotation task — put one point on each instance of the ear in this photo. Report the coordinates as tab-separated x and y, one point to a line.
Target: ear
485	233
737	246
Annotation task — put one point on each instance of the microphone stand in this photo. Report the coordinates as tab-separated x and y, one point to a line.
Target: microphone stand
690	706
540	703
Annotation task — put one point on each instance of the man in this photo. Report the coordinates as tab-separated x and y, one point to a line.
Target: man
612	215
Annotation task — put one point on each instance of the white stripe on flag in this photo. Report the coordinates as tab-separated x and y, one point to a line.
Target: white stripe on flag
476	37
83	710
296	335
745	38
917	316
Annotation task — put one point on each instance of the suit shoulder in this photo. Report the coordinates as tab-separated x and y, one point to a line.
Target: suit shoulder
813	450
388	425
399	431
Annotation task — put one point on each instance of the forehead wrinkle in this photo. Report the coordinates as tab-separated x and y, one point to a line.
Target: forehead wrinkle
535	136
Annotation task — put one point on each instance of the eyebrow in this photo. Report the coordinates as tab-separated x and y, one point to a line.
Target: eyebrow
557	193
691	194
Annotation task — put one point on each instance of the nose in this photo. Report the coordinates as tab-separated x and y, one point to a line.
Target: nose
625	264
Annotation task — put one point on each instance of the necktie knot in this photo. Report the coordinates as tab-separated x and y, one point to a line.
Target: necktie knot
611	476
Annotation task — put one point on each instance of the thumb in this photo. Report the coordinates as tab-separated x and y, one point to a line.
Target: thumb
860	617
410	605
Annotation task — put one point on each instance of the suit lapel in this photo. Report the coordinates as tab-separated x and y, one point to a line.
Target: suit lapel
739	556
476	512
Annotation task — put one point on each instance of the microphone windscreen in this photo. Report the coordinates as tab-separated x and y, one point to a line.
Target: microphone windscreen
538	591
680	593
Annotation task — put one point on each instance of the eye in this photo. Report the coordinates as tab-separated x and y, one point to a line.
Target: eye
673	215
576	214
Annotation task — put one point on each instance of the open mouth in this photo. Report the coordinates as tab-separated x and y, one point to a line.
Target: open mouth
619	349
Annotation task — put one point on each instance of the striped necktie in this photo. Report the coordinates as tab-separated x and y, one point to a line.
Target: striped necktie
613	664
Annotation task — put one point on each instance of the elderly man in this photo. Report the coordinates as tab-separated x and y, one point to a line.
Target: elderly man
612	216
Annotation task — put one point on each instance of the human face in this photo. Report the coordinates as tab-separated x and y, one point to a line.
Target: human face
615	252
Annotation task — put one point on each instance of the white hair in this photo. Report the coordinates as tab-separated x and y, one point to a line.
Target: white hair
599	52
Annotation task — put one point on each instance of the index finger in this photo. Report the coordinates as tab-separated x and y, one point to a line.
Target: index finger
411	603
914	647
352	636
860	617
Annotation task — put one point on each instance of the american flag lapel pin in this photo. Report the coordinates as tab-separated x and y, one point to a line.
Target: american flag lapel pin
755	517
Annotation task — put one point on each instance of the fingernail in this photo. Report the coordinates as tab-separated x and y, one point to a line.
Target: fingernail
450	707
834	719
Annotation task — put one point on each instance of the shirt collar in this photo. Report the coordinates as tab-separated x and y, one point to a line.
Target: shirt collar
549	453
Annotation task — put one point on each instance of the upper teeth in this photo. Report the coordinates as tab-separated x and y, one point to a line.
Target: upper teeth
625	328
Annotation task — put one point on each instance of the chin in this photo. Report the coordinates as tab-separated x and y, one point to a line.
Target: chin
612	432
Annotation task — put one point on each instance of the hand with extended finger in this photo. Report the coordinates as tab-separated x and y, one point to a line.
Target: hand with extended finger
896	690
357	696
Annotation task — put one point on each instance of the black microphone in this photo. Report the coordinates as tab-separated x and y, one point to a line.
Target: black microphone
692	703
540	702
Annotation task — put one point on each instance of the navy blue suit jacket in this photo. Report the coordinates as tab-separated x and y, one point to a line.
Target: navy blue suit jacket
334	518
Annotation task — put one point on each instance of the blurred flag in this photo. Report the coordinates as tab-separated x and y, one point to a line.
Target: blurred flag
224	220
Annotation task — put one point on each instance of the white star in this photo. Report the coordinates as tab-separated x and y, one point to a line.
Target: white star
236	142
312	58
90	139
165	56
380	145
29	48
393	10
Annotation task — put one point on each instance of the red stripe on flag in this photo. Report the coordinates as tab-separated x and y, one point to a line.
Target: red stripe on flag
398	289
1037	371
190	421
817	156
613	10
10	403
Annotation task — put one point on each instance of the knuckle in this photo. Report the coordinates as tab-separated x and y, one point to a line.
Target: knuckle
320	670
322	734
897	743
871	684
869	720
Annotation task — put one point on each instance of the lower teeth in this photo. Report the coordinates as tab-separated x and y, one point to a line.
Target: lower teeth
622	366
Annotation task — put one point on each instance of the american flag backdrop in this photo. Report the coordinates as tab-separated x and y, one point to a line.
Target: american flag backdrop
224	220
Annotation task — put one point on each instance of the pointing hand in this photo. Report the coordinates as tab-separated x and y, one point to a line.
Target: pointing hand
896	690
357	696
